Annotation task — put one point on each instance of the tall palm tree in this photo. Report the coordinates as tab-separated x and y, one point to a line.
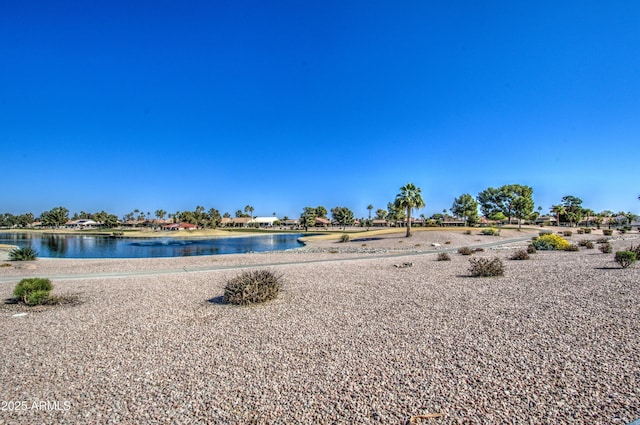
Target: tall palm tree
409	197
558	210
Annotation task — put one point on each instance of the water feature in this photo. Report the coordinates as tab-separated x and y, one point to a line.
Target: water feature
96	246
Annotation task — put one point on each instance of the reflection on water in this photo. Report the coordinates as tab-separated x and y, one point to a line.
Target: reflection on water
88	246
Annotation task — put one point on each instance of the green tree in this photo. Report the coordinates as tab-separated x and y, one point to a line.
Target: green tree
321	212
214	217
465	207
249	210
343	215
160	214
409	198
56	217
559	211
381	214
512	200
308	218
573	209
24	220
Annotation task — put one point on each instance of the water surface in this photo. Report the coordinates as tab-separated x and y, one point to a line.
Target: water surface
95	246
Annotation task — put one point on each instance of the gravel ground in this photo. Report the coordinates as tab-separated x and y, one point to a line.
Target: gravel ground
352	340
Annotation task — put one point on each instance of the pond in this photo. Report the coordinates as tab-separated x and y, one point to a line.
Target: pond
96	246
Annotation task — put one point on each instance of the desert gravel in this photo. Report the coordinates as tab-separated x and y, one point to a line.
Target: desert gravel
351	339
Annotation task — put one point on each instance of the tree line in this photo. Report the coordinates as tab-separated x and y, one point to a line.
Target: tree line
504	203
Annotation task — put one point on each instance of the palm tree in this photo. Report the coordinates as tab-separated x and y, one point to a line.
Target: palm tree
409	197
558	210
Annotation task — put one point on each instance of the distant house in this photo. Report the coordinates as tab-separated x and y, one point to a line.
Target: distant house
235	221
452	221
82	224
322	222
179	226
264	221
547	220
378	222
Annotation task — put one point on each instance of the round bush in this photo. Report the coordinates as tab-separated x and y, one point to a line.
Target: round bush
520	254
251	287
625	258
465	250
551	242
344	238
485	267
443	256
33	291
606	248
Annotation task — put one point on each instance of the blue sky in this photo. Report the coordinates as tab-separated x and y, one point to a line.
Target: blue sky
118	105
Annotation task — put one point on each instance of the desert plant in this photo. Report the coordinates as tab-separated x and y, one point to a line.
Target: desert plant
606	248
587	230
572	247
580	231
602	240
520	254
344	238
635	249
465	250
607	232
485	267
467	232
531	249
443	256
33	291
550	242
23	254
589	245
567	233
625	258
545	232
252	287
490	232
479	249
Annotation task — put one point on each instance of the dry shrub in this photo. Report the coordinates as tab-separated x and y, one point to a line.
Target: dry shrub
251	287
485	267
606	248
443	256
520	254
465	250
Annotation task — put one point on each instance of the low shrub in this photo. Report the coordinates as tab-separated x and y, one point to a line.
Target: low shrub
531	249
467	232
33	291
550	242
545	232
485	267
443	256
602	240
252	287
635	249
625	258
607	232
587	230
490	232
572	247
520	254
478	249
589	245
606	248
580	231
465	250
344	238
23	254
567	233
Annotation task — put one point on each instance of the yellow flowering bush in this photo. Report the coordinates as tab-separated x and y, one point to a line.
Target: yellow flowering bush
551	241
